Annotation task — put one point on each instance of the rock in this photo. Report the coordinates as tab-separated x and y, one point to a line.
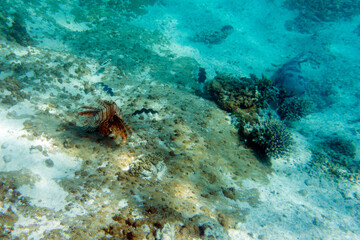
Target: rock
213	36
8	218
308	182
148	166
166	233
303	192
4	145
210	229
49	163
7	158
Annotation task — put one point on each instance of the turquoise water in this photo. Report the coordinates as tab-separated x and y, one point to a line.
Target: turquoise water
179	119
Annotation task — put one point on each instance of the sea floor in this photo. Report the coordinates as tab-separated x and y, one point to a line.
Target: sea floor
185	173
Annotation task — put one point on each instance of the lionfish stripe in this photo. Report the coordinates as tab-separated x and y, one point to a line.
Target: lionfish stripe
127	127
89	113
89	107
122	129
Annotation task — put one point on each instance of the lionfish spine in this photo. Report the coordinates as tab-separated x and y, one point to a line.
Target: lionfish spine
127	128
89	113
105	113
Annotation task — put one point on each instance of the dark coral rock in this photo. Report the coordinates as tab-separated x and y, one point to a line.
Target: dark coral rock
8	100
227	30
145	110
325	10
313	14
105	87
213	36
201	75
12	84
17	32
302	25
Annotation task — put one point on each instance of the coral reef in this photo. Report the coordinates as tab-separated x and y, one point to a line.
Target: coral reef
233	93
336	155
295	108
245	98
270	137
108	119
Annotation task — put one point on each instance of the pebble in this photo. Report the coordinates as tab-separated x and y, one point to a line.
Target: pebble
357	195
303	192
309	182
7	158
4	145
67	144
263	237
37	147
49	163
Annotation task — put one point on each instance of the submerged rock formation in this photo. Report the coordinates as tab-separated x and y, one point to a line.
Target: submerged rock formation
246	98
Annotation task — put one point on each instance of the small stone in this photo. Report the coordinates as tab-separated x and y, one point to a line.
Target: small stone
210	228
316	221
263	237
357	195
88	162
28	124
49	163
4	145
67	144
68	207
303	192
37	147
308	182
7	158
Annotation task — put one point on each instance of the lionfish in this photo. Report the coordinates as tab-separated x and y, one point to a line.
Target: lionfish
107	119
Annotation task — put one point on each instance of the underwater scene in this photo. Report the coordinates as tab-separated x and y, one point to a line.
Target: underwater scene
179	119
